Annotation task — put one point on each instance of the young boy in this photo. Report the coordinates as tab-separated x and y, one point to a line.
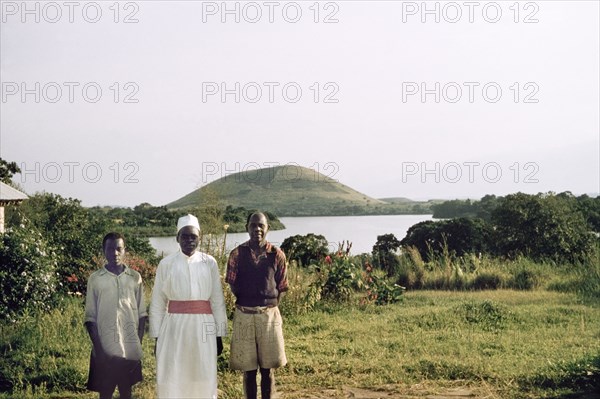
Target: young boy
115	317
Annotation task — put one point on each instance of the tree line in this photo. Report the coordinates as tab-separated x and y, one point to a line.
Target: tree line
552	227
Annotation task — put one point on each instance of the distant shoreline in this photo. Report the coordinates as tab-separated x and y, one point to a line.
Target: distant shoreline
276	225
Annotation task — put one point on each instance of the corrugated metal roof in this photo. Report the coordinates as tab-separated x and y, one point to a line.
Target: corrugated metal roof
7	193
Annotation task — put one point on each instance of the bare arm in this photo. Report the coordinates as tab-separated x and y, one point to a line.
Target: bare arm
142	327
92	329
280	297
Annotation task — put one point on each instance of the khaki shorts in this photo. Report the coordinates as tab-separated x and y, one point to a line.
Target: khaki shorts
257	340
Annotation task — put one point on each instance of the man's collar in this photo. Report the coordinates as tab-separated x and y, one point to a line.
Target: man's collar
195	254
126	270
268	246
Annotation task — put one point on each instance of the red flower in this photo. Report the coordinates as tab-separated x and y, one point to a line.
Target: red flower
328	260
72	278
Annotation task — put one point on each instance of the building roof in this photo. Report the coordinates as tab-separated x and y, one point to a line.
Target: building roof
9	194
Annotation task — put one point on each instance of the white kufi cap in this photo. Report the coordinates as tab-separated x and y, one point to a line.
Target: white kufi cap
187	220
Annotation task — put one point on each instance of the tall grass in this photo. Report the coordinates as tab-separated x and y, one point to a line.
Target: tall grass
483	272
582	278
46	353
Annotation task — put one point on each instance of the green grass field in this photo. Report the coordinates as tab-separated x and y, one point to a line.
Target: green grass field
500	344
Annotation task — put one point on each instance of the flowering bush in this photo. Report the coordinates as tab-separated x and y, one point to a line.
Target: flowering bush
341	274
378	289
28	272
142	266
76	283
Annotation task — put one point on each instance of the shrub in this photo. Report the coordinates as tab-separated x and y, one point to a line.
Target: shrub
542	226
379	290
28	276
143	267
487	281
305	249
454	236
525	279
76	283
71	229
340	276
384	255
141	248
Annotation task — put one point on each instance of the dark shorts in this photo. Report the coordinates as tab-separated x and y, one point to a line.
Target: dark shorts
105	376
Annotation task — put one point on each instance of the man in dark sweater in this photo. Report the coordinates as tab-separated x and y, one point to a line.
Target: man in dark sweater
256	273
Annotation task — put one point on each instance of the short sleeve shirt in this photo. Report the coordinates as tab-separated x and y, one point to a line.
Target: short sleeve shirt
116	303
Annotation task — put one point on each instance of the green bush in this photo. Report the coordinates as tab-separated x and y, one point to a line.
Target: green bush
525	279
28	276
76	233
541	227
71	229
341	276
384	256
306	249
453	236
382	292
487	280
144	268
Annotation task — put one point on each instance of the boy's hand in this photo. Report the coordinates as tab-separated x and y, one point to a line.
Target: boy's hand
101	356
219	346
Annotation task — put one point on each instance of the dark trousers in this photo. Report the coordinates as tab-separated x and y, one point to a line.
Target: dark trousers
267	384
124	392
106	375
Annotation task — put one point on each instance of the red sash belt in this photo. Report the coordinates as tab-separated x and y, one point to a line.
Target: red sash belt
190	307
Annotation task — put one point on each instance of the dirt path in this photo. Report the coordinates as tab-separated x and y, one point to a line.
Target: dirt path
392	392
417	391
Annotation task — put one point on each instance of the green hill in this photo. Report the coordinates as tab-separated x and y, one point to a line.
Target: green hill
291	191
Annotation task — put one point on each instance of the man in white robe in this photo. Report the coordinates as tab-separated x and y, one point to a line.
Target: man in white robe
187	315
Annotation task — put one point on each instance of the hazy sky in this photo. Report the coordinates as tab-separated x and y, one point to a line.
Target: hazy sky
144	101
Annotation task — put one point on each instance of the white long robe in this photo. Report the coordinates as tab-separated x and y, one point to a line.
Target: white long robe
186	352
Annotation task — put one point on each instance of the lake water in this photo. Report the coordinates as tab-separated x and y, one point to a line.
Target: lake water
361	231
